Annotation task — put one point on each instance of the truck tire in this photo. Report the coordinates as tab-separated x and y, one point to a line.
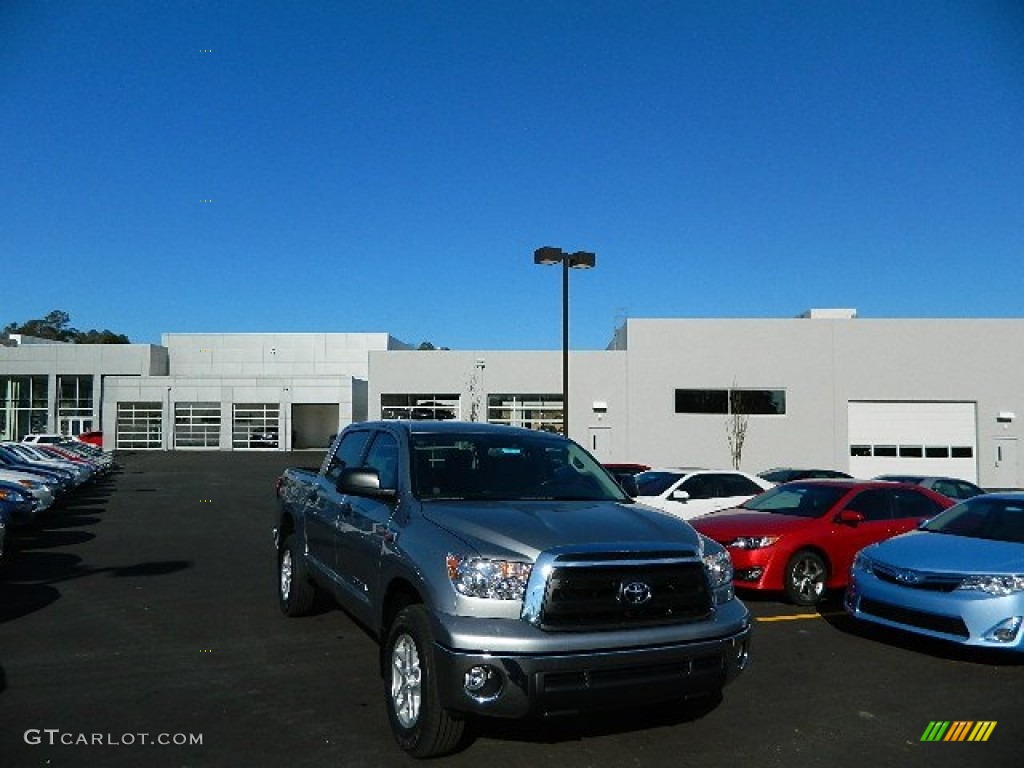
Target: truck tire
805	578
295	592
422	727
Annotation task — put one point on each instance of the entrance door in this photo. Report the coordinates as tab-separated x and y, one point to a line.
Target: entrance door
600	444
75	425
1005	475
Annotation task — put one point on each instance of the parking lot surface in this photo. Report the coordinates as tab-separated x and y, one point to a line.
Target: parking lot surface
139	626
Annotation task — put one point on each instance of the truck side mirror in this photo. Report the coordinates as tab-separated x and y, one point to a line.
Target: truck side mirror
363	481
681	496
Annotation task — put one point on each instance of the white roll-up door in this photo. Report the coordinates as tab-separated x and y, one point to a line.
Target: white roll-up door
935	438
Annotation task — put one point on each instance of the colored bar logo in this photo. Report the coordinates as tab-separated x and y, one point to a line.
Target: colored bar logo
958	730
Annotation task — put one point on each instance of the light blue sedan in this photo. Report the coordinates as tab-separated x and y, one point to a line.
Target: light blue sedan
959	577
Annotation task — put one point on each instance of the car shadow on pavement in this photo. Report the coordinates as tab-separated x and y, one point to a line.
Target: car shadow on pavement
576	727
930	646
31	581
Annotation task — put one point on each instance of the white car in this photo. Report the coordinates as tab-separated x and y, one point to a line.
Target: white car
689	492
46	438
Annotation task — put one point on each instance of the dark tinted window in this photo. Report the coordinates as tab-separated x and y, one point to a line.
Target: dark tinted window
350	451
655	483
702	401
908	503
873	504
966	490
383	457
759	401
506	466
738	485
701	487
982	517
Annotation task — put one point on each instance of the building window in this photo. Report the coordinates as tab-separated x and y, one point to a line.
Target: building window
23	406
913	451
139	426
745	402
420	407
256	425
758	402
530	411
74	404
197	425
702	401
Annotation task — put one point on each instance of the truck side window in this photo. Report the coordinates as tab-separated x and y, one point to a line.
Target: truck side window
383	457
350	451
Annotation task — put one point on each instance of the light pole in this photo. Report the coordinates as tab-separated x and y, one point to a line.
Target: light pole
577	260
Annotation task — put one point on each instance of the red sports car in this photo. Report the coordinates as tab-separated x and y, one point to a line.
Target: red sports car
800	538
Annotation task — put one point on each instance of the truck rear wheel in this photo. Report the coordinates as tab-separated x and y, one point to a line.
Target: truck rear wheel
422	727
295	592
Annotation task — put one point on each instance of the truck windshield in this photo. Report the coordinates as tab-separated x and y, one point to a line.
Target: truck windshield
517	467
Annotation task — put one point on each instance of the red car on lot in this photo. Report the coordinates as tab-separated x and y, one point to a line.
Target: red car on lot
800	538
92	438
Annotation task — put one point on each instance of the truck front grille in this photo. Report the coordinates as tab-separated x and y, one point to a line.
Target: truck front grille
613	596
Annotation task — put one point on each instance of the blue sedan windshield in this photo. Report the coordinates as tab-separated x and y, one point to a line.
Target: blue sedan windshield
982	518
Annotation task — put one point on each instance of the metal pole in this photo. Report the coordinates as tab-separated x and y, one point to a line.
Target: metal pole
565	344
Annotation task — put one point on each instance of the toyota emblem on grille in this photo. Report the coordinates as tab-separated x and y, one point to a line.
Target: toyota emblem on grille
635	593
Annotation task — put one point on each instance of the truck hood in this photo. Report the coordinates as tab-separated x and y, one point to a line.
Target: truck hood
527	528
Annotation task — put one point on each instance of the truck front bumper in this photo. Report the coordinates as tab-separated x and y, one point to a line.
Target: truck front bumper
565	678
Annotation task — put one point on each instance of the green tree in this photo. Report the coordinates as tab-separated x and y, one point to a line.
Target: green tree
57	326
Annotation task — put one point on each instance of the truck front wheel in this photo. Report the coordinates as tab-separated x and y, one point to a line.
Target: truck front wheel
422	727
295	593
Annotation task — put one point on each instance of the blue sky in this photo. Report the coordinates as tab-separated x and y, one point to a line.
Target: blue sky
253	166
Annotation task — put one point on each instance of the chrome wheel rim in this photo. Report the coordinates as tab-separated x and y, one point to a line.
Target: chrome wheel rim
808	578
406	681
286	574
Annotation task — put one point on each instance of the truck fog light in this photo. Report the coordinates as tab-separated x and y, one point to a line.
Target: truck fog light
482	682
1005	631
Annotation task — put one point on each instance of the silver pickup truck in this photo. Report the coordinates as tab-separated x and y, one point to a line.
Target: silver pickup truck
506	574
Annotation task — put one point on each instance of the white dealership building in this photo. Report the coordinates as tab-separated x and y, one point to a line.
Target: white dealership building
826	389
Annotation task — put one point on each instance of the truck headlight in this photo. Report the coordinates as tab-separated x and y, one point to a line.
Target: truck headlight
719	568
994	585
494	579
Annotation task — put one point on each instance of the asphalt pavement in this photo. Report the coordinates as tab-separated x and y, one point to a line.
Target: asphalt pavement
139	627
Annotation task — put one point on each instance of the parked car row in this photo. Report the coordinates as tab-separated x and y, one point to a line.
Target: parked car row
927	554
35	475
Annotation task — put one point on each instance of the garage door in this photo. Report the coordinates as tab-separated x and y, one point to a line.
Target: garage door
913	438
